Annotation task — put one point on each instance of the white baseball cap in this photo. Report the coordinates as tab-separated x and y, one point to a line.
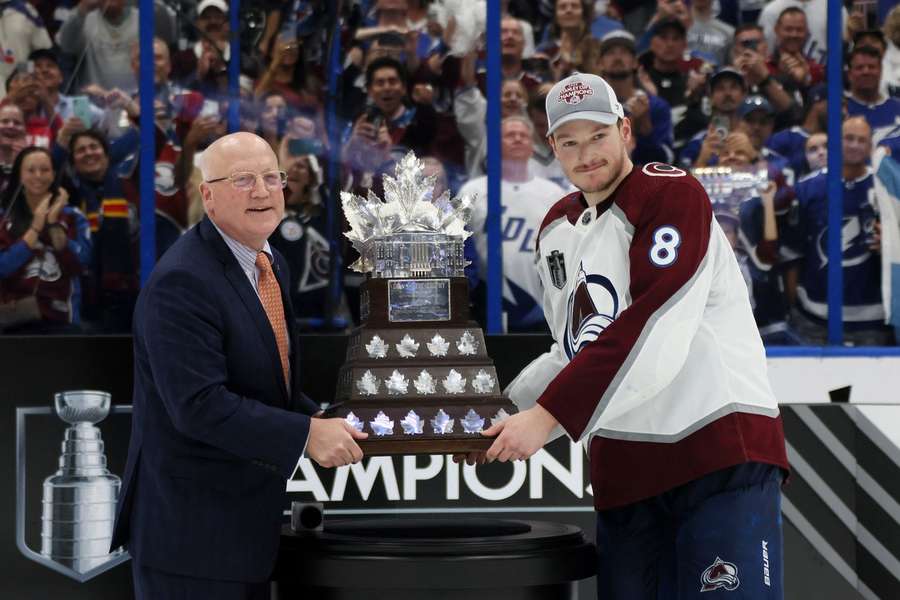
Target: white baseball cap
582	96
204	4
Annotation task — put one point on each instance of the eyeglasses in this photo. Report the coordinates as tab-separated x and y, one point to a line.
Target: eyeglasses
244	181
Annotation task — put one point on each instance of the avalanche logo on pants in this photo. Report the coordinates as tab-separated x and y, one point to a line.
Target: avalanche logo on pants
720	574
593	306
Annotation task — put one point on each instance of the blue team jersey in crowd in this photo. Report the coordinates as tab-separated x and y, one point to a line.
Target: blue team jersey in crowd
807	237
770	310
880	115
791	144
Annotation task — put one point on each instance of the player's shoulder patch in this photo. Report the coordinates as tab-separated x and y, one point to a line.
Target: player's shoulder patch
658	169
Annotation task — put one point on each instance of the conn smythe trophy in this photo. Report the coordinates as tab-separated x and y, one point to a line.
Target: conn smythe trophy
417	377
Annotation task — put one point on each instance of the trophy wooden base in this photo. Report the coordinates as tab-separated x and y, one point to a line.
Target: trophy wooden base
375	447
426	442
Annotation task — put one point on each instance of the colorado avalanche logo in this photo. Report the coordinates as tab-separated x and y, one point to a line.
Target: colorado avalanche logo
592	307
720	574
573	93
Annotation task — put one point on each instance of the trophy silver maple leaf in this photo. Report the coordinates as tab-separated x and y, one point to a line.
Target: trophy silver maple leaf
408	207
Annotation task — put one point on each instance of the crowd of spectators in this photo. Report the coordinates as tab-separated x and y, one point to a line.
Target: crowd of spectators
706	83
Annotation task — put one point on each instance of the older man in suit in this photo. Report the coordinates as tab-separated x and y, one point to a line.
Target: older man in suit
219	419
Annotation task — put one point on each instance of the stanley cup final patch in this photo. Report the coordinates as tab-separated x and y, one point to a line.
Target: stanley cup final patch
573	93
556	264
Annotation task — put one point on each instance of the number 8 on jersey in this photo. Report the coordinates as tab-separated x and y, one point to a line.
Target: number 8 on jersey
664	251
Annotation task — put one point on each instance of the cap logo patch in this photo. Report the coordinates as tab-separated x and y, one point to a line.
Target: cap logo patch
573	93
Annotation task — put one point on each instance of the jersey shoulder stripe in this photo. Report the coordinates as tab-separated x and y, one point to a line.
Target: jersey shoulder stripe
569	206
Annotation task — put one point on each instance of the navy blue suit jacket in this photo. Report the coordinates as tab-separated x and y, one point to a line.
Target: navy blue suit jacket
215	433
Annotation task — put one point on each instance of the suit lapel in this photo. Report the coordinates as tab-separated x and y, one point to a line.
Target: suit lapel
238	280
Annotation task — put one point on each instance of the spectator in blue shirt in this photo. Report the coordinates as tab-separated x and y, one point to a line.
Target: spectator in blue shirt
865	98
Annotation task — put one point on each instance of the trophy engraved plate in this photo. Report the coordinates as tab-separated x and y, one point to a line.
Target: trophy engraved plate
417	377
415	300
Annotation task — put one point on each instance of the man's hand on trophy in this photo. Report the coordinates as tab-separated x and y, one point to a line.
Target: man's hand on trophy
332	442
521	435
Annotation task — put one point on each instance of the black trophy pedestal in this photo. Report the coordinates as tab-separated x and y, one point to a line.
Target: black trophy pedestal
406	559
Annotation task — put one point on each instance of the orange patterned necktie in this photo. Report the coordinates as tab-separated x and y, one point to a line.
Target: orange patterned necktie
270	296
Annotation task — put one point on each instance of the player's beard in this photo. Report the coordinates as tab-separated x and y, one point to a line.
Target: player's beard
614	168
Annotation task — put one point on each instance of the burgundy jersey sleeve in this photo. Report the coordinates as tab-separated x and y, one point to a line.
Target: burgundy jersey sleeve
672	223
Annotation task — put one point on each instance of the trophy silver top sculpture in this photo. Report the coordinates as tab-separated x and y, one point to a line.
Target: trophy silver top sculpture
410	233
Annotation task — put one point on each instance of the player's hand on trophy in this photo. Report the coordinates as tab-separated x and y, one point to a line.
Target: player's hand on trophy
521	435
332	442
471	458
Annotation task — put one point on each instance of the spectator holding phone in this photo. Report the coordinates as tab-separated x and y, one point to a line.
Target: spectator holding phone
750	55
352	81
387	125
49	74
44	246
727	91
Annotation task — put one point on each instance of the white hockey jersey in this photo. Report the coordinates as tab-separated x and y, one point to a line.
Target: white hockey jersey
657	364
523	206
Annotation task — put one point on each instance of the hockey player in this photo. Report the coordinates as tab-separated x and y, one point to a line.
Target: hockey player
657	367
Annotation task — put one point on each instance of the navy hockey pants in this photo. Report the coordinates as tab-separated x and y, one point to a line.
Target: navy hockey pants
715	537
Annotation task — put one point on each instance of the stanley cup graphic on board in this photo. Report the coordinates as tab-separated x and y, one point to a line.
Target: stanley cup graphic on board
79	500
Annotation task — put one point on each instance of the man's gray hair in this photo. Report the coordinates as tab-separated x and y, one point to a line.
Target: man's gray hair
521	118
